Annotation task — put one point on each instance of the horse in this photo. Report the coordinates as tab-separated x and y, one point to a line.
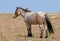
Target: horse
34	18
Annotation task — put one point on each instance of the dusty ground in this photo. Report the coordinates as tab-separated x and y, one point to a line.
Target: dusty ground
15	29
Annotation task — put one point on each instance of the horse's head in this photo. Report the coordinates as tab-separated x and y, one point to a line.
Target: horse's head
19	11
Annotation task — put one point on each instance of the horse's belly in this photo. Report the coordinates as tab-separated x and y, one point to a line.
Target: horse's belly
32	21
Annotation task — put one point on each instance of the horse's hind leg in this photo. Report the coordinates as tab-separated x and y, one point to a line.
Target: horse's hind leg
41	30
46	31
29	29
46	34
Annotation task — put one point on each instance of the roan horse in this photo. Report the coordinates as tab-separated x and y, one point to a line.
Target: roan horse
34	18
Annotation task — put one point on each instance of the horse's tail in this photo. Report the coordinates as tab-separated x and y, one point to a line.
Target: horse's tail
49	26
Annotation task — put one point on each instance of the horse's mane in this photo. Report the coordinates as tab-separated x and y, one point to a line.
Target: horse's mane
26	10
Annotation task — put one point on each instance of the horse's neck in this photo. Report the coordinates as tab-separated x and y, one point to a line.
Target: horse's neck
23	14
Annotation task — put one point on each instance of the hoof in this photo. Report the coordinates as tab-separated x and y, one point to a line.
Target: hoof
41	37
29	35
46	37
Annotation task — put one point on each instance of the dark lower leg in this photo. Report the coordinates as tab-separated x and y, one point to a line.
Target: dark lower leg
46	34
41	35
29	34
29	31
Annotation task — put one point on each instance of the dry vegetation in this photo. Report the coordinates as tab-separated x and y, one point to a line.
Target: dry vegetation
15	29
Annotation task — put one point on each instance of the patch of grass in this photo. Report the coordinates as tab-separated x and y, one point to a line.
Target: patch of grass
47	40
52	36
49	35
19	35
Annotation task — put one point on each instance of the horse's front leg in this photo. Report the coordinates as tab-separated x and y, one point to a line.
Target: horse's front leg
29	29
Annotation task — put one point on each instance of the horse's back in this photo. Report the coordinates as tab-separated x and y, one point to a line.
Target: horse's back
41	14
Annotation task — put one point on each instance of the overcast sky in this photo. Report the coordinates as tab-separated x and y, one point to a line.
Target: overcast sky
34	5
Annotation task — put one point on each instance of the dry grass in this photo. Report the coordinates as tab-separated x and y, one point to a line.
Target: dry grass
15	29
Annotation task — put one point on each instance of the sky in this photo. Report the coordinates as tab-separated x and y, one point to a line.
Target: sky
33	5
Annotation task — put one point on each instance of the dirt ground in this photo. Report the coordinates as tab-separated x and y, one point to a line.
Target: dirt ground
15	29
